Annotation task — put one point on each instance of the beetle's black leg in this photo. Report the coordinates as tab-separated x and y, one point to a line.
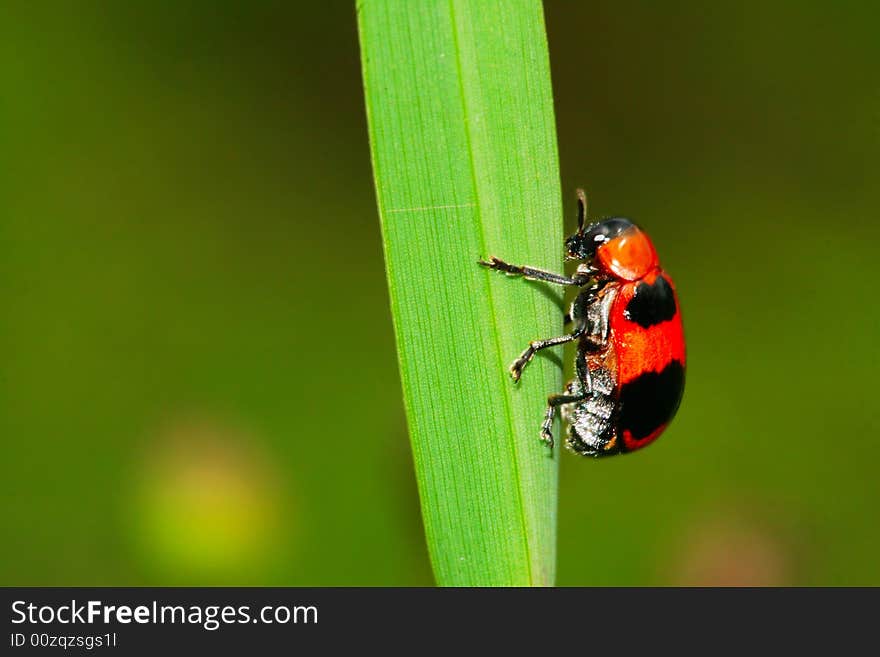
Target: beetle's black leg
552	402
534	274
578	390
519	364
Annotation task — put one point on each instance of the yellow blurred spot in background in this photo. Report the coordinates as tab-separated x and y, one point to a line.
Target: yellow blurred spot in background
733	549
210	503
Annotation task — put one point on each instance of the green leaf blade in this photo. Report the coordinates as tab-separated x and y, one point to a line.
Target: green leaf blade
464	154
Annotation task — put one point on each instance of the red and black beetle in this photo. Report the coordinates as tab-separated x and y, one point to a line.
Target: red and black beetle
631	354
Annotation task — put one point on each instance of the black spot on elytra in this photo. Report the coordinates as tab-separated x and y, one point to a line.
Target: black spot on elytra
651	304
651	400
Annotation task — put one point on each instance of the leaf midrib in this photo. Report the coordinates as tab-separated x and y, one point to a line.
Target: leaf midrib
508	410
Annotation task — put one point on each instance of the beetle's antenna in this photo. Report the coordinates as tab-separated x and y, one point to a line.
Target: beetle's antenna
582	210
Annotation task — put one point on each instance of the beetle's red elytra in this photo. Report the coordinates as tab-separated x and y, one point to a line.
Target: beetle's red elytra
630	364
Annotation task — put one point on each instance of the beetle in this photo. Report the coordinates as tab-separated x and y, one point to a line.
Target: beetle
630	363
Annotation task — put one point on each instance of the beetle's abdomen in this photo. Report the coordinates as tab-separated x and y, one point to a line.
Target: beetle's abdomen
592	423
647	335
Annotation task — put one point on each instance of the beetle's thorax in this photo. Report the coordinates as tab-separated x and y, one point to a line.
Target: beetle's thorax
629	257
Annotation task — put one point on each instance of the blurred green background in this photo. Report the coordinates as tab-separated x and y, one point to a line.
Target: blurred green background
198	381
